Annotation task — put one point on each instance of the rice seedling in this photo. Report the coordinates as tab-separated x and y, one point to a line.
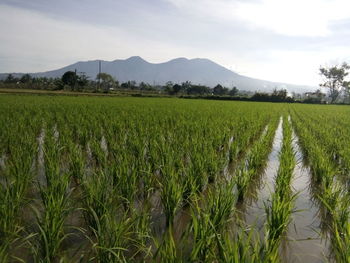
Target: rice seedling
254	162
332	194
210	221
278	211
54	193
171	195
241	246
14	183
111	237
166	249
108	159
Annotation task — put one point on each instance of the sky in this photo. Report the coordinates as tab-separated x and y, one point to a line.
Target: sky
277	40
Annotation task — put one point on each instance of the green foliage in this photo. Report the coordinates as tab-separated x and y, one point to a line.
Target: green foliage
335	80
143	180
279	209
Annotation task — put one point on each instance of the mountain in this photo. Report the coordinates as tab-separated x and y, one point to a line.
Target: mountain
198	71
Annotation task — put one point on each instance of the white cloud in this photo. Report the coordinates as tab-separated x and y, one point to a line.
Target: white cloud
296	67
296	17
286	17
31	42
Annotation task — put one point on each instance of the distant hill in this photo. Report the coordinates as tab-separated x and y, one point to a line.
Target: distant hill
198	71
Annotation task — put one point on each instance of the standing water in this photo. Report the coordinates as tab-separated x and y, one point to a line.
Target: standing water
304	238
255	209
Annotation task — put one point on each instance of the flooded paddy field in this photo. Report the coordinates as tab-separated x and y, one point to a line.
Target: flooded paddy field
87	179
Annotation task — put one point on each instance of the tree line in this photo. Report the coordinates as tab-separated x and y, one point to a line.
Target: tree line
334	82
104	82
73	81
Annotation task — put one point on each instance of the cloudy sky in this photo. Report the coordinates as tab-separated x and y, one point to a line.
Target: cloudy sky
277	40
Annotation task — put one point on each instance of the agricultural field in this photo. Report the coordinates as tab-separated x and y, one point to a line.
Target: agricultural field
103	179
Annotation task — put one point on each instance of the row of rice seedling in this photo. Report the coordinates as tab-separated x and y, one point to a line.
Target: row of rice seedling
331	194
124	170
54	207
121	168
254	161
213	233
279	208
18	151
333	136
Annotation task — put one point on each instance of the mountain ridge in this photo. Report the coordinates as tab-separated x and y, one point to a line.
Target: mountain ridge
197	70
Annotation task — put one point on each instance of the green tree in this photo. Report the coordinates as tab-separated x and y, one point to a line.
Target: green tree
198	89
145	86
168	87
26	78
10	79
279	95
233	91
107	81
69	78
220	90
177	88
334	80
82	81
185	86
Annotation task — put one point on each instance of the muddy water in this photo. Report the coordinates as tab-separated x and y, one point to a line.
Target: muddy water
104	145
253	208
304	241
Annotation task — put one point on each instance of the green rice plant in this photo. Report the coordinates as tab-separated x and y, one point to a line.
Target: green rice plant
339	224
326	154
278	211
112	229
98	197
198	173
171	195
278	217
17	175
243	245
203	249
210	221
248	132
98	154
77	163
111	237
124	176
242	179
254	162
189	141
220	205
167	250
54	193
142	233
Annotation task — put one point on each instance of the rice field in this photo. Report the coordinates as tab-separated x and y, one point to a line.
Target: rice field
92	179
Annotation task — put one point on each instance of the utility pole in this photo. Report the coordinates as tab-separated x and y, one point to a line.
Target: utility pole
75	79
99	74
